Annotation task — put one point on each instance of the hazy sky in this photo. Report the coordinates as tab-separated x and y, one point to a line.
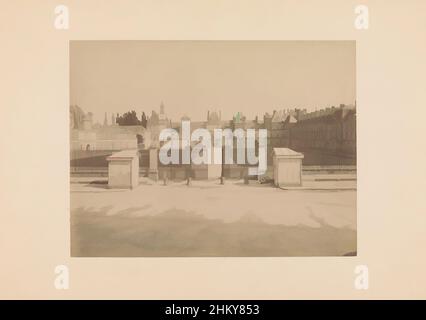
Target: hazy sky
191	77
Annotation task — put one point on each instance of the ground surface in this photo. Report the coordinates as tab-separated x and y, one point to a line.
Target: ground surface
209	219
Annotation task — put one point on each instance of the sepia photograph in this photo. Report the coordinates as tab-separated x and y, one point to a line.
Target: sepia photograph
213	148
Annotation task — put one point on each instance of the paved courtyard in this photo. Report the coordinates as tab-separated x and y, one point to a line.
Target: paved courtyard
209	219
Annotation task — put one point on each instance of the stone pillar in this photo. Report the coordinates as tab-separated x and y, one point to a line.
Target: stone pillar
123	169
153	164
287	167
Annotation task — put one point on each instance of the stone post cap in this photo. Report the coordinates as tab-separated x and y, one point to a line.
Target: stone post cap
123	155
287	153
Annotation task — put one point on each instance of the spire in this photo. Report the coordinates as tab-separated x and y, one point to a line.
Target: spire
105	120
162	108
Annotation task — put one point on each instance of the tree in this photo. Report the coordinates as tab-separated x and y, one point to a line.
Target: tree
128	119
